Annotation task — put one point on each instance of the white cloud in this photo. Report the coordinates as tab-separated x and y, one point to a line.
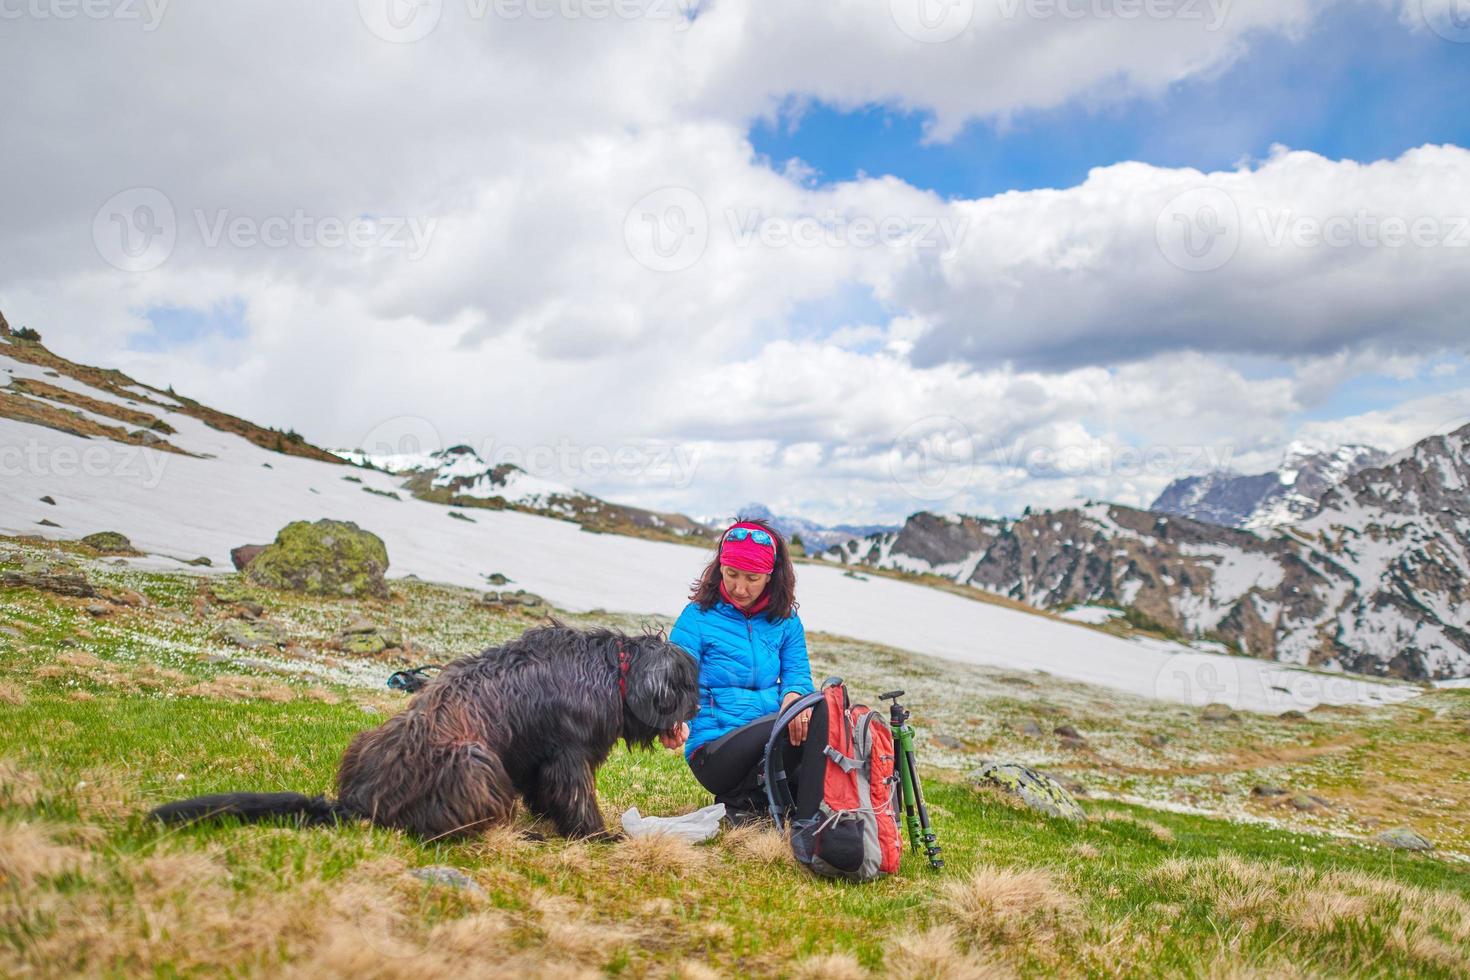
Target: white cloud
520	146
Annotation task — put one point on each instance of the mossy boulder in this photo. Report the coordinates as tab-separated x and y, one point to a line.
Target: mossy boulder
1037	790
110	543
364	644
253	635
59	578
324	558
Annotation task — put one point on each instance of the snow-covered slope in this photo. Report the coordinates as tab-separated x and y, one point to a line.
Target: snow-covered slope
1266	500
231	491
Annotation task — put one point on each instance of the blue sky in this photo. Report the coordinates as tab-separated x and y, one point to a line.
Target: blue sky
178	326
1357	85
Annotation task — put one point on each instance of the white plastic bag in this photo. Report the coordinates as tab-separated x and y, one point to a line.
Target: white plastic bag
692	827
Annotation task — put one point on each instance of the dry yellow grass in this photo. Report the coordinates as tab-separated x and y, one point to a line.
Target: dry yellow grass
29	853
18	787
764	844
660	854
1429	927
1004	906
937	955
240	687
833	966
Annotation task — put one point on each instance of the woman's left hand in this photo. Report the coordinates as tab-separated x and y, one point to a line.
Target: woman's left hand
676	736
797	730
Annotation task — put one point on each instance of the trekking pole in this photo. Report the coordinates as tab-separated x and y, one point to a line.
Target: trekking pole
916	814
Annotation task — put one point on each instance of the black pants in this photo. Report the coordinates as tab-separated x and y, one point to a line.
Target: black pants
730	766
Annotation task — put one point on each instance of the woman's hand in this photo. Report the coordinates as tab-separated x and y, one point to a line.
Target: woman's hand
797	731
675	737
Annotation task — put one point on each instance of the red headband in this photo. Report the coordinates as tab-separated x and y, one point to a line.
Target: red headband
748	555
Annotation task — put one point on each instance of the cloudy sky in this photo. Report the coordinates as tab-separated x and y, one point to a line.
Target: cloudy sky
851	259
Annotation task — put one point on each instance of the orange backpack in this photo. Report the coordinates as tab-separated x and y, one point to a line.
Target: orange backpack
854	833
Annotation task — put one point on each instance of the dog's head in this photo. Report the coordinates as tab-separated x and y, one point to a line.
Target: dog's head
663	688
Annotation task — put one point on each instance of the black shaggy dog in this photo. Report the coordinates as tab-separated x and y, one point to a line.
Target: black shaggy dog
533	718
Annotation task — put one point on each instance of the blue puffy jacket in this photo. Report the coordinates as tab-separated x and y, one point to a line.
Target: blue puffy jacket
747	664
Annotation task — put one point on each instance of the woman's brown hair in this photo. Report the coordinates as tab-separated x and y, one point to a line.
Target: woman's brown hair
781	588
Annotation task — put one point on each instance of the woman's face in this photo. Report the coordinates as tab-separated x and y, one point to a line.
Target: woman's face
745	587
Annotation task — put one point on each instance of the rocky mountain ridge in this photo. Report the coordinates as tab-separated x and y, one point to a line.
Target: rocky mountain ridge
1378	580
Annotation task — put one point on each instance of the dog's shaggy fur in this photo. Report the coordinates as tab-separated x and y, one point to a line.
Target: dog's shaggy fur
533	718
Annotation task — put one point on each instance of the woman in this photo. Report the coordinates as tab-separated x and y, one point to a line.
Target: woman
742	628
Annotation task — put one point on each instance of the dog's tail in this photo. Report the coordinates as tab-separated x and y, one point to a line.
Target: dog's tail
309	811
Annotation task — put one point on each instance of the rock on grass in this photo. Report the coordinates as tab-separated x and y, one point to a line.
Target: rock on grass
57	578
1037	790
1404	839
325	558
110	543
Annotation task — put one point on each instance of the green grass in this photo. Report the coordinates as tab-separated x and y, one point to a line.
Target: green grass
135	713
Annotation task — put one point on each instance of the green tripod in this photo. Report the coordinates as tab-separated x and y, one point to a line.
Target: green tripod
916	814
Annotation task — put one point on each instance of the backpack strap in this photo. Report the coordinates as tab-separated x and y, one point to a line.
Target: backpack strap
778	795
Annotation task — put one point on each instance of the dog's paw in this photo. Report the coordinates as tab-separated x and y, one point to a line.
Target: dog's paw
533	836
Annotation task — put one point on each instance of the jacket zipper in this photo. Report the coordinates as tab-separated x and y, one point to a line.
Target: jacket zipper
750	638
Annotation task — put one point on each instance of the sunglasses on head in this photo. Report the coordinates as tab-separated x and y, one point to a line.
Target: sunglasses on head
754	534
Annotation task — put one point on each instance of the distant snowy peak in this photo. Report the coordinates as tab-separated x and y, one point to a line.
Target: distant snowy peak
815	536
1267	500
460	470
459	477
